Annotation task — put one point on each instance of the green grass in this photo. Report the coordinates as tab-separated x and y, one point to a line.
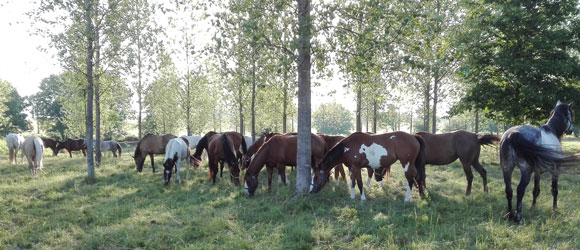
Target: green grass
125	209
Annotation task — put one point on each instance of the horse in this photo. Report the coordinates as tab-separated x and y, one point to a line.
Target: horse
33	149
72	145
443	149
254	148
50	143
176	151
237	139
360	150
279	152
112	146
536	150
192	139
332	140
14	143
150	144
222	148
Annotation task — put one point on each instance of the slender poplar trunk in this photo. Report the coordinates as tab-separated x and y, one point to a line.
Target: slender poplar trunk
435	100
359	108
139	87
285	102
375	116
187	93
253	112
97	144
89	107
476	121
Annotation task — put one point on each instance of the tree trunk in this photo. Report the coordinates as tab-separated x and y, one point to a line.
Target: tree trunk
304	147
240	110
411	127
285	103
139	87
375	116
253	112
476	121
89	112
97	144
435	99
359	108
187	94
426	106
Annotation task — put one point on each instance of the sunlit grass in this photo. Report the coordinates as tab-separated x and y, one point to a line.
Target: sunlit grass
125	209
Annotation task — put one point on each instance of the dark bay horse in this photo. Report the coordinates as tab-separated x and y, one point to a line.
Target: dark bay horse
222	148
332	140
279	152
72	145
238	142
50	143
443	149
150	145
360	150
536	150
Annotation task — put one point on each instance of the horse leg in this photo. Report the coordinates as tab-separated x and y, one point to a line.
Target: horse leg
152	162
468	176
339	170
536	187
178	163
507	179
84	152
555	191
69	153
282	174
353	181
270	171
221	163
524	181
370	173
482	173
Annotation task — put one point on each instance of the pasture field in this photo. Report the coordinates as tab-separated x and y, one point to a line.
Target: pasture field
125	209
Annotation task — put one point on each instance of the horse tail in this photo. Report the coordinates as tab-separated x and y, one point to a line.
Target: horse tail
420	161
244	146
38	148
229	151
488	139
536	155
119	148
332	157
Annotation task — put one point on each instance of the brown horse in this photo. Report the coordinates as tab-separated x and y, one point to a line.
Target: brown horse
149	145
360	150
238	142
443	149
50	143
332	140
279	152
254	148
72	145
222	148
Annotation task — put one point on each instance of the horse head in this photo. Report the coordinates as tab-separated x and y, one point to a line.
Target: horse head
139	161
319	179
194	162
250	184
168	165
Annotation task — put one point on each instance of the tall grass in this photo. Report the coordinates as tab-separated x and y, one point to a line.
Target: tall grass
125	209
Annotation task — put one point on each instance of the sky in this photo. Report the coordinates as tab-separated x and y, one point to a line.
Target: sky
24	66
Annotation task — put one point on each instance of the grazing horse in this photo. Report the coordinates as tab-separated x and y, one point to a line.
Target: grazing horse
33	149
50	143
536	150
254	148
237	139
149	145
360	150
443	149
222	148
192	139
176	151
279	152
14	143
72	145
112	146
332	140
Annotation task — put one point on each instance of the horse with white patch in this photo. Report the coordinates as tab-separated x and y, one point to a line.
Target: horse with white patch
33	149
177	150
378	152
536	150
14	143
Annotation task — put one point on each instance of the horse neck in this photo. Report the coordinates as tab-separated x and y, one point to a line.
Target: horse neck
201	145
333	156
259	160
556	124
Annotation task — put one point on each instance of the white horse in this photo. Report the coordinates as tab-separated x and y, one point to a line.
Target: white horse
14	143
176	151
112	146
33	149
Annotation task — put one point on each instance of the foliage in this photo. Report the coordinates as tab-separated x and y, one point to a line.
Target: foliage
46	107
12	107
332	119
521	57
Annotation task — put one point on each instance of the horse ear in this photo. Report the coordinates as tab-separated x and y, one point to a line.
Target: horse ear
558	103
570	105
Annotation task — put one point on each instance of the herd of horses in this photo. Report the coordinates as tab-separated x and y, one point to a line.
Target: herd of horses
533	150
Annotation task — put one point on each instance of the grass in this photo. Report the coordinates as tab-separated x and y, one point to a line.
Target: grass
125	209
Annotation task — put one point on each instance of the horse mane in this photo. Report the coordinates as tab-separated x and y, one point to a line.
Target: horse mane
331	158
138	149
244	146
228	150
202	144
185	140
488	139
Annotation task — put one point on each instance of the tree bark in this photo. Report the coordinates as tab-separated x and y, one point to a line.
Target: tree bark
476	121
97	144
435	99
304	147
253	111
375	116
89	111
426	106
139	87
187	94
285	102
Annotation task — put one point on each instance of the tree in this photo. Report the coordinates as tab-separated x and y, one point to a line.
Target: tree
333	119
12	106
521	57
47	108
304	148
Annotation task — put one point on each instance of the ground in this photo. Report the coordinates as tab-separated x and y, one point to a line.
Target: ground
125	209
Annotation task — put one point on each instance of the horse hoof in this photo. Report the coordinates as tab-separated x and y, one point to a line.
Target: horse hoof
509	216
